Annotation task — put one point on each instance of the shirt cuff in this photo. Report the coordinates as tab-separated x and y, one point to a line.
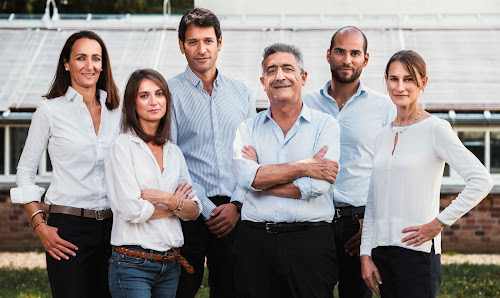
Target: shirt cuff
26	194
207	206
304	184
238	195
147	211
365	251
249	176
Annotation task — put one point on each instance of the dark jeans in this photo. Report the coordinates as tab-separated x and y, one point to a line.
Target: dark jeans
406	272
142	278
86	274
200	243
350	282
290	264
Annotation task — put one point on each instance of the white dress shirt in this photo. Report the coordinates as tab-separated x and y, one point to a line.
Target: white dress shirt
64	126
360	120
405	186
131	166
310	133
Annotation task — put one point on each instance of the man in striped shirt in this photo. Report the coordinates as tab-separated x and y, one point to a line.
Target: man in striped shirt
207	109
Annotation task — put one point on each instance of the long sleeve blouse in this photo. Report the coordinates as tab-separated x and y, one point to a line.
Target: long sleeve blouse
405	185
64	126
130	168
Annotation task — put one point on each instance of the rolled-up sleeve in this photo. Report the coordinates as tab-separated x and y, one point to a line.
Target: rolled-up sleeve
36	142
244	170
123	191
311	188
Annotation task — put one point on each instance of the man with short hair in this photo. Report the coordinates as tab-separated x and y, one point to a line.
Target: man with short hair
207	109
361	113
284	159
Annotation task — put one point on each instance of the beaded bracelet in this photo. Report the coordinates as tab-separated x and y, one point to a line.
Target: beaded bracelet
44	216
38	223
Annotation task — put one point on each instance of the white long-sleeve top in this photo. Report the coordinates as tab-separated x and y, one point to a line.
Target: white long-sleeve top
64	126
131	167
405	187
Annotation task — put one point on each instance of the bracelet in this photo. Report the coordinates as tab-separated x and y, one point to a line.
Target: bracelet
178	203
44	216
38	223
179	208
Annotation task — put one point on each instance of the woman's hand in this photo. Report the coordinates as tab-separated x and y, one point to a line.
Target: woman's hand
249	153
368	270
155	196
53	244
184	191
422	233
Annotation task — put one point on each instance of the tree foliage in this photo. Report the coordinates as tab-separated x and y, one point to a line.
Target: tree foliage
95	6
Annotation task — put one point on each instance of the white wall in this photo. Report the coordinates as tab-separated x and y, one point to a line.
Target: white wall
228	7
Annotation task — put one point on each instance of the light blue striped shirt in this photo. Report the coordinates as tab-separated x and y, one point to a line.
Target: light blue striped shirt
364	114
203	126
311	132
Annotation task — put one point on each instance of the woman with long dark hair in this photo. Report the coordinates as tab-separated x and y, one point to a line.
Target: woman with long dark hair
76	123
401	240
149	190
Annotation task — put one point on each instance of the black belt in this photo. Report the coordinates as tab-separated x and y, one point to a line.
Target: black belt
283	227
349	212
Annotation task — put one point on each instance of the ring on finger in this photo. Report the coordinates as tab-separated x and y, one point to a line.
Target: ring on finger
418	239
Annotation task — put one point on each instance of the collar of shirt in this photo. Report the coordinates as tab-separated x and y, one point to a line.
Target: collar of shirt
72	94
194	80
361	90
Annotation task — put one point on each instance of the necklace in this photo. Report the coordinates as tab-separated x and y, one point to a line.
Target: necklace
342	105
406	127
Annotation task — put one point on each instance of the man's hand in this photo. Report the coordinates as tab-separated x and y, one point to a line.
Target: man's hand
322	168
352	245
223	219
249	153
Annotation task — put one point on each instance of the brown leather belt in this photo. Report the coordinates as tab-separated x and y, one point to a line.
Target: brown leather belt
169	257
96	214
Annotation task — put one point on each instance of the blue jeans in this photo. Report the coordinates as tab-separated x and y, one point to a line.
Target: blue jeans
138	278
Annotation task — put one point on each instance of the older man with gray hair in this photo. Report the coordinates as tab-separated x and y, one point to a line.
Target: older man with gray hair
284	158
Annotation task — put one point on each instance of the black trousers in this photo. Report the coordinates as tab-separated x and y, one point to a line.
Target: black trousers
406	272
86	274
351	285
290	264
200	243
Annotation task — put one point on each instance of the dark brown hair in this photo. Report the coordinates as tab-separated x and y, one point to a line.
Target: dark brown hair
130	119
62	79
412	62
200	17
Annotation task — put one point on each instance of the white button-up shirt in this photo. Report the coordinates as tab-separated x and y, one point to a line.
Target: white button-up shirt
131	167
363	115
64	126
310	133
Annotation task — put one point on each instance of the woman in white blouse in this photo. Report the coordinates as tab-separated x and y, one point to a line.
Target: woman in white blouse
401	240
149	189
77	122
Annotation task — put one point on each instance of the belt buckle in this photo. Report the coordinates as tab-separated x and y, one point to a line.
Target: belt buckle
337	213
268	224
99	215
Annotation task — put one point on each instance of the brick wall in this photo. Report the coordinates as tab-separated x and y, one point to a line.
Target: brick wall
478	231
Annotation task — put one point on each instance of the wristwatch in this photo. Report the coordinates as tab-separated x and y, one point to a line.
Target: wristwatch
238	205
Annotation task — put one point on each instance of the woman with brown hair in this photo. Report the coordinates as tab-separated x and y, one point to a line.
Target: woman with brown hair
76	123
401	239
149	189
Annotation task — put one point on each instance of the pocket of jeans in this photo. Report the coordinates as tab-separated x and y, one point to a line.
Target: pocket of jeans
129	261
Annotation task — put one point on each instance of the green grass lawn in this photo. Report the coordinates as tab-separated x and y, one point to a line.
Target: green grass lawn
458	281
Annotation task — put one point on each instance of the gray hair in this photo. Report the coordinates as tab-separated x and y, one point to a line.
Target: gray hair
285	48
